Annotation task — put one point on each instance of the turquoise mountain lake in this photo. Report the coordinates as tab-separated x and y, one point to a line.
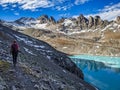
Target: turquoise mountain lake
100	71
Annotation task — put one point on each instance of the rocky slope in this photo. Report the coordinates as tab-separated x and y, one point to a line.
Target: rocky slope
79	35
40	67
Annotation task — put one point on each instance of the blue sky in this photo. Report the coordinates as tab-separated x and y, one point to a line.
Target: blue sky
14	9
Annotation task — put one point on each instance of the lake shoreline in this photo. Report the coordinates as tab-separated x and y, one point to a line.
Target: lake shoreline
91	55
99	74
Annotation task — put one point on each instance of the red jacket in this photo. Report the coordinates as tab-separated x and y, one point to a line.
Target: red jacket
14	47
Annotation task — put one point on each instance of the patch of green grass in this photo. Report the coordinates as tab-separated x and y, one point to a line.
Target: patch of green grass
4	65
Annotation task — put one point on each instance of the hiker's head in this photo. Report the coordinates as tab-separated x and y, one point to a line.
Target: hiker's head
14	41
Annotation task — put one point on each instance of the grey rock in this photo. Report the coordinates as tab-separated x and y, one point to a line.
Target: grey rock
36	87
66	87
52	20
82	22
43	19
14	88
91	22
118	19
61	20
3	85
22	20
97	21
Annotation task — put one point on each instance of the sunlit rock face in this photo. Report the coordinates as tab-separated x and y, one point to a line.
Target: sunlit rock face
118	19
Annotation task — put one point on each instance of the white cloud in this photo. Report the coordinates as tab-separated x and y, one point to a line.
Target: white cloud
109	12
64	8
4	5
27	4
14	5
5	8
78	2
34	4
16	13
12	9
75	16
65	15
10	1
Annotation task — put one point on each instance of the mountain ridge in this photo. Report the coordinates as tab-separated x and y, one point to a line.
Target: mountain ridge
71	33
65	25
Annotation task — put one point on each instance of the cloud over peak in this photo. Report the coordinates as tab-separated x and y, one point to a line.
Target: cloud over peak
109	12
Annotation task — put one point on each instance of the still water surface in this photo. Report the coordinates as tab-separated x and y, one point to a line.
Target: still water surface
101	71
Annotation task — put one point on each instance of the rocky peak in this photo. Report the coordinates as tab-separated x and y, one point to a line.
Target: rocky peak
46	19
118	19
52	20
24	20
82	22
82	19
91	22
2	21
43	16
43	19
97	20
61	20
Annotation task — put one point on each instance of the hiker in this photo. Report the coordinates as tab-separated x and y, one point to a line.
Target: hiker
14	51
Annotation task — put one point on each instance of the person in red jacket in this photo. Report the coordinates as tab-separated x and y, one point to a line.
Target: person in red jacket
14	52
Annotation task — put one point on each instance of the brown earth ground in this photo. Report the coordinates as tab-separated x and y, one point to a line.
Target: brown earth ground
96	43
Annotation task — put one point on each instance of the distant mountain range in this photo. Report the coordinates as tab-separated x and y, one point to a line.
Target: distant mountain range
66	25
79	35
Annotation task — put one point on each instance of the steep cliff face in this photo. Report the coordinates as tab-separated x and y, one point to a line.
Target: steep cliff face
45	19
39	64
118	19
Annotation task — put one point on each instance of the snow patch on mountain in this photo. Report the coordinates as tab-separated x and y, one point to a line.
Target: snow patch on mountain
68	22
30	52
39	26
113	26
67	26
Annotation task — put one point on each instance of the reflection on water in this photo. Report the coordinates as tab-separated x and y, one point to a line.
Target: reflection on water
99	74
92	65
108	61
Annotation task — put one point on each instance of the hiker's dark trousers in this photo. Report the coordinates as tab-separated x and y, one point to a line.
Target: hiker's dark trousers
14	55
